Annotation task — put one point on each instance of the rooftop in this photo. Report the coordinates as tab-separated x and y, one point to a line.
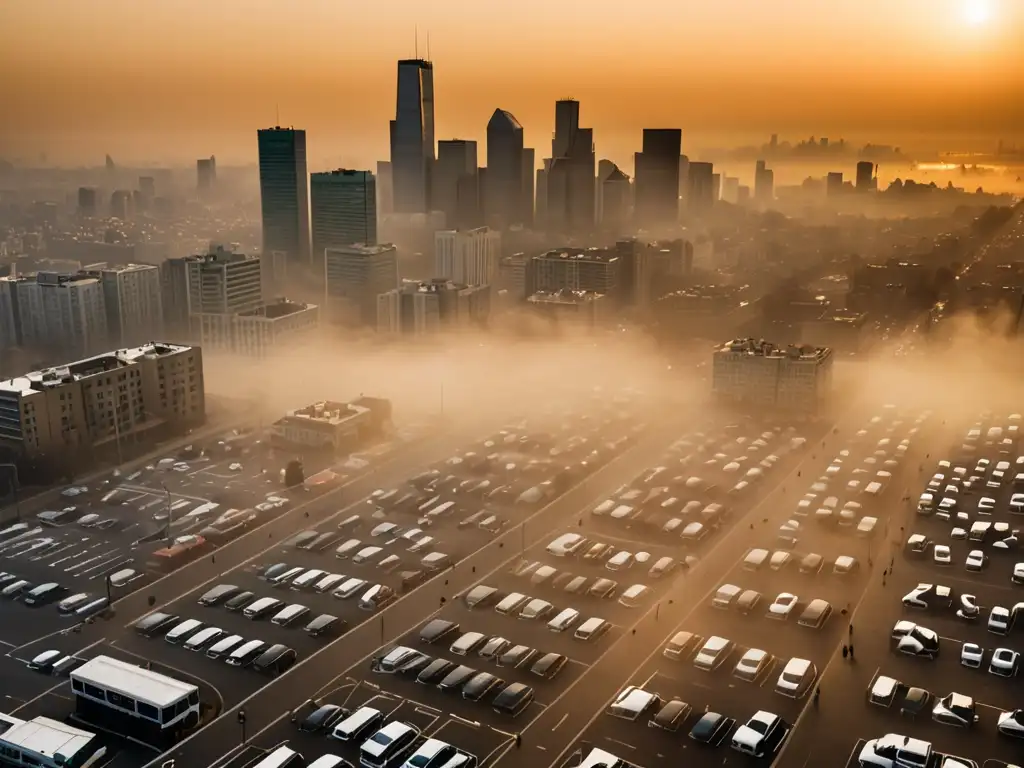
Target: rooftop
276	310
564	297
46	737
598	255
361	249
38	381
761	348
327	412
132	680
343	175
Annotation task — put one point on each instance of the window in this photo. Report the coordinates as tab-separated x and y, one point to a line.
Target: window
118	700
148	710
92	691
167	714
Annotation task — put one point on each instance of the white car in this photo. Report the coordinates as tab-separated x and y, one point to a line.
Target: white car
1012	723
752	664
714	651
972	655
1005	662
796	678
1018	574
999	621
783	606
976	560
942	555
919	641
955	709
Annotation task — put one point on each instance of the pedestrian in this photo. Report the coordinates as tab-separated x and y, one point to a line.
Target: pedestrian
817	695
846	651
851	651
883	578
519	740
851	631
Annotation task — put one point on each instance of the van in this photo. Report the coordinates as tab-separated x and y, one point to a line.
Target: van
260	608
307	579
43	594
203	638
289	615
282	757
72	603
183	630
246	654
511	603
93	608
564	620
224	646
591	629
359	724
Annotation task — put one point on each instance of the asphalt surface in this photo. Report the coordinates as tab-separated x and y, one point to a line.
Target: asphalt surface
843	717
563	728
265	708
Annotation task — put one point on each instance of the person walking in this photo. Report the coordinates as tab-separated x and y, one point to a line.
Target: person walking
817	695
851	651
846	651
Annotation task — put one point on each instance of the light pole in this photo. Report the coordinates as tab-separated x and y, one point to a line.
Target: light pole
15	485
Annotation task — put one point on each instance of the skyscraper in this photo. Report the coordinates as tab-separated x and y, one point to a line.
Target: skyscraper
412	137
468	257
456	188
504	194
344	209
86	201
529	165
571	196
865	176
206	174
615	199
834	183
284	195
700	188
354	276
132	300
764	183
657	177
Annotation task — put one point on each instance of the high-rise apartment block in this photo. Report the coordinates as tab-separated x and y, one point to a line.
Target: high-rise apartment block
64	314
656	198
468	257
60	413
258	333
834	183
759	374
457	184
593	270
354	276
344	205
418	308
616	199
412	137
133	301
87	201
764	183
284	192
700	188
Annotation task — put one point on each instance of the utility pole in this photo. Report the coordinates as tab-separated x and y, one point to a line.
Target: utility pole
170	513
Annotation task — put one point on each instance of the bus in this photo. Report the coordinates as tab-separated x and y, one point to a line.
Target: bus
134	702
45	743
184	549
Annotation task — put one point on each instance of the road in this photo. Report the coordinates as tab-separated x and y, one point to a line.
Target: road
268	704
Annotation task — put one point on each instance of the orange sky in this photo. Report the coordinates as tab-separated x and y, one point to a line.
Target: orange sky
170	80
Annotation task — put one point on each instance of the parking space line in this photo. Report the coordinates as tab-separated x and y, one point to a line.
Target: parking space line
951	640
767	674
562	720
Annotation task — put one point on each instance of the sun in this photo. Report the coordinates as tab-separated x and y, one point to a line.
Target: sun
977	12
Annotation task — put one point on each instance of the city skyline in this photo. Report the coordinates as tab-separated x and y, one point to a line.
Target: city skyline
864	73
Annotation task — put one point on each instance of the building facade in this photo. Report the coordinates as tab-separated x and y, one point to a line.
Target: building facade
504	197
412	137
353	278
284	192
656	196
760	374
700	188
469	257
456	183
90	403
418	308
344	210
259	333
62	313
591	270
133	300
333	426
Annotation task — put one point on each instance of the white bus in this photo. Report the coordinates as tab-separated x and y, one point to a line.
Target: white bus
45	743
133	701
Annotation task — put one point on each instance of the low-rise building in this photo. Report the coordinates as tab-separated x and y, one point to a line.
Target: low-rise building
90	404
759	373
333	426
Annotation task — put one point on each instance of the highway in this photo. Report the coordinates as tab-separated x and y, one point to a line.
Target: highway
264	708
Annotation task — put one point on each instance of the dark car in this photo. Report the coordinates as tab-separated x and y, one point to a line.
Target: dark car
549	665
300	540
155	624
457	677
712	729
411	579
325	625
322	719
480	685
239	601
436	630
219	594
915	702
321	542
480	596
273	571
435	671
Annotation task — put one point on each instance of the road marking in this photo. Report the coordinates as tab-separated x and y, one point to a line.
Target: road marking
624	744
647	682
564	718
55	688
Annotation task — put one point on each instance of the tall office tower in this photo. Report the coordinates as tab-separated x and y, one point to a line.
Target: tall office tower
385	189
616	192
86	201
700	193
63	313
684	180
456	192
834	183
467	257
219	282
206	175
865	176
716	186
121	204
284	192
731	189
344	209
540	214
529	194
354	276
504	193
657	177
572	179
604	170
132	297
412	137
764	183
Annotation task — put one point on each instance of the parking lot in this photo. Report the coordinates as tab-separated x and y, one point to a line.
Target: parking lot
815	549
914	564
620	550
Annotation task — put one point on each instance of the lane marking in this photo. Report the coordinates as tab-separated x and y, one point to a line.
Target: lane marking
556	725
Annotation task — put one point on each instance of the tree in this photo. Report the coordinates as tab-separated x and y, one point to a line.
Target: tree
294	474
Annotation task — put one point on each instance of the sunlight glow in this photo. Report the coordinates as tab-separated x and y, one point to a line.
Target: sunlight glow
977	12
